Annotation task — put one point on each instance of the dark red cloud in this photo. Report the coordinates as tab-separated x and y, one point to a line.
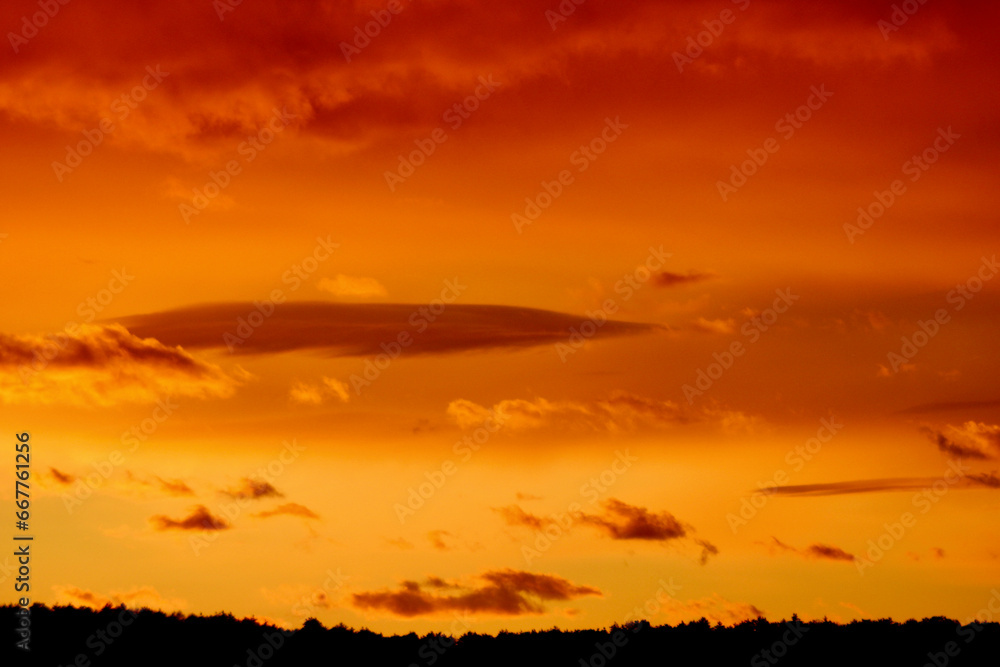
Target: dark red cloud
507	592
622	521
949	446
667	279
819	551
619	521
349	329
61	477
251	489
200	518
970	481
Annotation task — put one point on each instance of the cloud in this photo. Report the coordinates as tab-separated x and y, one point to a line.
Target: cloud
970	450
667	279
969	481
513	515
622	411
263	57
200	518
504	592
717	326
288	509
707	551
135	598
360	329
436	538
61	477
251	489
621	521
350	286
102	366
817	551
618	521
171	487
315	394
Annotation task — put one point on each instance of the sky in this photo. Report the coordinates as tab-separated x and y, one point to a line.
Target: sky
453	316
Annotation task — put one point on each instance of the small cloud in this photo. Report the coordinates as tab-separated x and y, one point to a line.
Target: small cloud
717	326
818	551
174	487
970	441
436	538
527	496
667	279
61	477
618	521
352	286
305	394
251	489
622	521
199	519
315	394
288	509
828	552
707	550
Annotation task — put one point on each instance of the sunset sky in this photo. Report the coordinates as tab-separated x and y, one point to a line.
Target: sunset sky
452	315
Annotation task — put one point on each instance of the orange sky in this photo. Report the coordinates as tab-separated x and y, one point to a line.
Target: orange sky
504	319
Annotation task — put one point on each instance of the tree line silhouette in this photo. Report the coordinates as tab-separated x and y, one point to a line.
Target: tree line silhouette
113	636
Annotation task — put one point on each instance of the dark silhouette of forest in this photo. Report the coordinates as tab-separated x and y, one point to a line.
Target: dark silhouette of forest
81	637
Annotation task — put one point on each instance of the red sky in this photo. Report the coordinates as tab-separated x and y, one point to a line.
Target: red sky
278	308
